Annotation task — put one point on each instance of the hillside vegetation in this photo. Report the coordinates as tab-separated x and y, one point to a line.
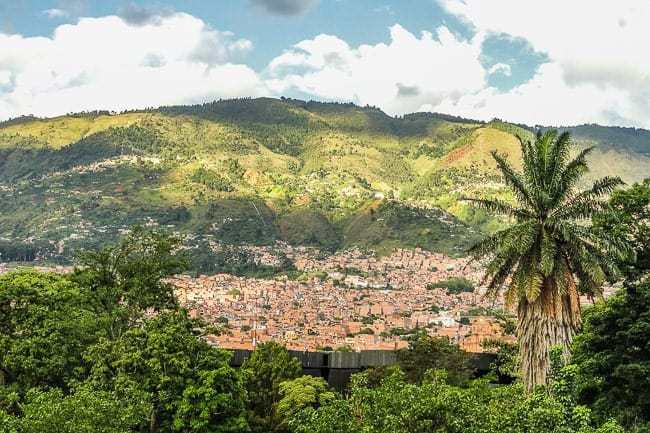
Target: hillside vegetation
256	171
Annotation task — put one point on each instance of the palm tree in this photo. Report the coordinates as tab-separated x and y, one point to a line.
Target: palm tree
548	256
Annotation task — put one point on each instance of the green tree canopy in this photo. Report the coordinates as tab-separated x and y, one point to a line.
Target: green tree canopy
129	277
430	353
133	270
612	355
628	217
84	411
397	406
268	366
46	323
300	393
188	385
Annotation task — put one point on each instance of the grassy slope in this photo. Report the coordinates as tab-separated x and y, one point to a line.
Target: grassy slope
61	131
475	155
259	170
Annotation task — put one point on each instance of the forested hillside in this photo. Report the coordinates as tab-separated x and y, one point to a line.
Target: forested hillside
255	171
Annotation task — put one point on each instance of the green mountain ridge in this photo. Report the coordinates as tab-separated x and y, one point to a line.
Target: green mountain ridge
254	171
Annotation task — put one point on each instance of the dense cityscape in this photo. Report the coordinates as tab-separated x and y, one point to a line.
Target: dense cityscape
347	300
351	301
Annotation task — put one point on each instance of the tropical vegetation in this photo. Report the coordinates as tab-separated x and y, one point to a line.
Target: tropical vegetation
547	259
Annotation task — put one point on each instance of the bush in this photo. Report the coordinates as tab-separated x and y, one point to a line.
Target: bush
268	367
612	356
425	353
454	285
396	406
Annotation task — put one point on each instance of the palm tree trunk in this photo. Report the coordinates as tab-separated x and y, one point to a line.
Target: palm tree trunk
550	320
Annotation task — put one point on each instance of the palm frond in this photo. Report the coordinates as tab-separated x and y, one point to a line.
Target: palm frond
547	253
585	257
531	177
562	274
547	249
527	280
568	178
545	147
499	207
558	159
490	244
585	204
497	272
513	179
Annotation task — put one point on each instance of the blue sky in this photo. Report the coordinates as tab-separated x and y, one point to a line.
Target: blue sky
457	56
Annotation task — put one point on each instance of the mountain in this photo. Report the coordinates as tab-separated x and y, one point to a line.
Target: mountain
253	171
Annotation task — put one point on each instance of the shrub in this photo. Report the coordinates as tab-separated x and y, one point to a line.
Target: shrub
396	406
612	356
454	285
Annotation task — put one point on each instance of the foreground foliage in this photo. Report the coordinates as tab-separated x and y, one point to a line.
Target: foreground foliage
107	347
612	357
187	385
427	353
628	217
83	411
268	367
397	406
46	323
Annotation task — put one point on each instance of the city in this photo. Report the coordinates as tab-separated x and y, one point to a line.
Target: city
349	301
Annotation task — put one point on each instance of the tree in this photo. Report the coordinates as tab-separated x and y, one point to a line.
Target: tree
504	364
397	406
334	417
84	411
454	285
612	356
187	384
268	366
547	257
628	216
300	393
46	323
429	353
128	277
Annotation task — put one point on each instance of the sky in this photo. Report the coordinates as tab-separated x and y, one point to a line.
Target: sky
536	62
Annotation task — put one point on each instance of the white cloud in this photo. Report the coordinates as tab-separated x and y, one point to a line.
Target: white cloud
217	47
137	15
546	99
55	13
500	68
596	47
5	77
106	63
596	71
398	77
